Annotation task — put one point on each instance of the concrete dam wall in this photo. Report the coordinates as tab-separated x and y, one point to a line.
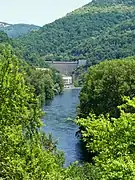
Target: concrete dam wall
66	67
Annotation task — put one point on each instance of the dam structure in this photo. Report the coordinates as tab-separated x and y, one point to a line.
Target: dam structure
66	67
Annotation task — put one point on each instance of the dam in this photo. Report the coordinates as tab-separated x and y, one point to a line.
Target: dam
66	67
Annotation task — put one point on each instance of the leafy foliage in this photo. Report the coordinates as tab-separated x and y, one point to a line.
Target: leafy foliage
3	37
46	82
113	142
105	85
79	76
31	58
21	147
43	84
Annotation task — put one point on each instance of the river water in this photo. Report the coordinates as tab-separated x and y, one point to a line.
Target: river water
58	121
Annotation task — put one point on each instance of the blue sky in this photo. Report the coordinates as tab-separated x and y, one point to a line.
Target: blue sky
38	12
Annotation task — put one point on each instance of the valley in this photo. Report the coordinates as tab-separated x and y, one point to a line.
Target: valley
67	95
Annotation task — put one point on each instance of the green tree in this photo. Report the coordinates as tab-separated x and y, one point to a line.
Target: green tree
43	84
104	86
25	153
58	82
113	142
4	37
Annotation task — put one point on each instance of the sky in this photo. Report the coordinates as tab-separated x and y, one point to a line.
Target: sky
38	12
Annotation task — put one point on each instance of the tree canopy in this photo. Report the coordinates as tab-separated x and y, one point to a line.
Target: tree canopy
46	82
105	85
21	147
113	143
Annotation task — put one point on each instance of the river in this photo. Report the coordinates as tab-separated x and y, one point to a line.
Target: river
62	128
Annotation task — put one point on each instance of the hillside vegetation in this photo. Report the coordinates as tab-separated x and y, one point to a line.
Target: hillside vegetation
46	82
99	30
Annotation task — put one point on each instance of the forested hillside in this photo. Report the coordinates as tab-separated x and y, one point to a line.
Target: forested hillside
31	58
15	30
46	83
99	30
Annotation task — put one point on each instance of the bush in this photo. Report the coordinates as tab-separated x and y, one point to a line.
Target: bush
113	142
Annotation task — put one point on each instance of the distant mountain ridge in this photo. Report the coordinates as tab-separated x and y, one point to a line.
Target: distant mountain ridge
102	29
16	30
4	24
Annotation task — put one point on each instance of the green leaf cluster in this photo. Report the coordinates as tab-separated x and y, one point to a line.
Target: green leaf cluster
45	81
113	143
23	153
107	118
105	85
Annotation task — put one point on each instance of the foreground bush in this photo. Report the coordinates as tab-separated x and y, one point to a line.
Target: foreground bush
113	142
23	153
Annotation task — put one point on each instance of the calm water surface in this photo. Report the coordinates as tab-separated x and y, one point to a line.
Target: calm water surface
57	122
